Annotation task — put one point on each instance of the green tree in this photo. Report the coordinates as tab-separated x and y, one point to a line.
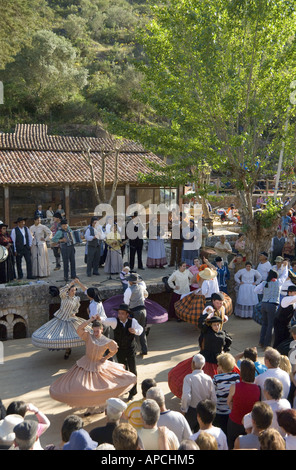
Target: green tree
217	76
19	20
45	74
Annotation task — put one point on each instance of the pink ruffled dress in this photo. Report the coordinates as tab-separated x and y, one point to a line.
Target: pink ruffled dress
92	380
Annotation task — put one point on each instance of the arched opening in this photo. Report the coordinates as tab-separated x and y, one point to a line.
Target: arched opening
19	330
3	333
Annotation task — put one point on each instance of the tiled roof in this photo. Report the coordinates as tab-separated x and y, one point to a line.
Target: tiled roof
31	156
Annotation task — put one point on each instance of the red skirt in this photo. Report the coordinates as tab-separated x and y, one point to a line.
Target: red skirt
177	374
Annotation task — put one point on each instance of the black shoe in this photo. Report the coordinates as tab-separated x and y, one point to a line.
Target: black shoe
96	274
131	396
67	354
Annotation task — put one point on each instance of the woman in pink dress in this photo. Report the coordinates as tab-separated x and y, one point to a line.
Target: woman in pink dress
93	379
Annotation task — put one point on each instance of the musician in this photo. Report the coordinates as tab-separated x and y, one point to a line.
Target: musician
22	242
136	241
64	237
7	269
93	245
113	263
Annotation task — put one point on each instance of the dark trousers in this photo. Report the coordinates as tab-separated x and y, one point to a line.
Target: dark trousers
268	311
140	314
57	254
93	259
176	251
127	357
26	253
68	255
136	248
233	431
191	418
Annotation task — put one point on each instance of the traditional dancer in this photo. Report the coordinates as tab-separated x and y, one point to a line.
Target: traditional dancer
60	331
93	379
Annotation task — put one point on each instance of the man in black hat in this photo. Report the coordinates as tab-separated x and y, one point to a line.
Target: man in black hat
22	242
64	237
125	329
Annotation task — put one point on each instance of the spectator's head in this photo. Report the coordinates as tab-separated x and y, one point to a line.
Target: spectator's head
225	362
17	408
146	384
155	393
125	437
188	444
247	370
80	440
261	415
272	358
270	439
26	434
251	353
150	412
206	441
198	362
272	388
71	423
206	411
115	408
285	364
287	420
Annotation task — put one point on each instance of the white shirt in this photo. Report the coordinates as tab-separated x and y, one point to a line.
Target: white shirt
217	433
197	386
209	287
278	373
96	308
128	292
176	422
288	300
181	280
113	323
277	405
264	269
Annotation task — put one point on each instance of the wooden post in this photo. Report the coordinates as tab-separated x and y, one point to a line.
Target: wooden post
67	202
6	206
127	196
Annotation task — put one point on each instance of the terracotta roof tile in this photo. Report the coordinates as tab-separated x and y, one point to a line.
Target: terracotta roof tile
30	156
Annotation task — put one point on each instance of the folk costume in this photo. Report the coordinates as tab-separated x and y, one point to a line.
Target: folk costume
60	332
22	242
40	261
93	379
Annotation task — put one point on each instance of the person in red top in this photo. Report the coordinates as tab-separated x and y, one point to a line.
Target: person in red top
242	396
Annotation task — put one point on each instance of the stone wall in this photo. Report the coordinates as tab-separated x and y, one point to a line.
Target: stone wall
30	306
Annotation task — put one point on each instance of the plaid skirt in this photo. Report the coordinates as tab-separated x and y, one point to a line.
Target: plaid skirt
192	305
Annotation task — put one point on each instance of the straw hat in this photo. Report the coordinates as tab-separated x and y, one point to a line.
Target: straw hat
6	427
208	274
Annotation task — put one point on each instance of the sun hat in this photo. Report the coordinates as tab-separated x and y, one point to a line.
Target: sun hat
7	425
208	274
80	440
279	259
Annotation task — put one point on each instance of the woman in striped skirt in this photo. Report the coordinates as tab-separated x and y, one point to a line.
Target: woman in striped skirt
60	331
